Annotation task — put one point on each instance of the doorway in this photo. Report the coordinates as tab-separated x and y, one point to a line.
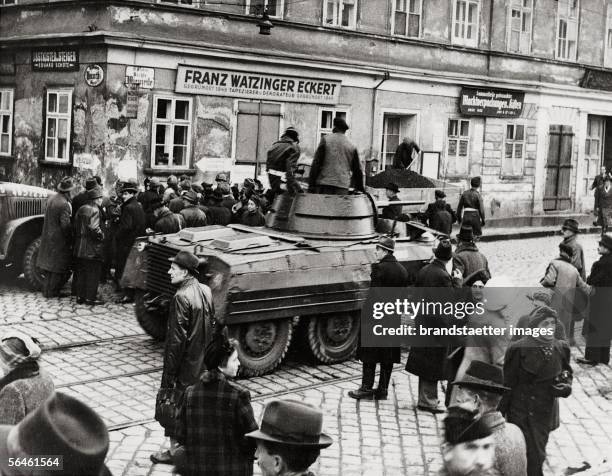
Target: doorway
558	168
395	128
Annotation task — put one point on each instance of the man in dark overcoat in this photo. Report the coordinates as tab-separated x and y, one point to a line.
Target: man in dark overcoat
470	210
194	216
387	273
55	252
428	362
392	212
282	162
439	214
598	327
131	225
467	258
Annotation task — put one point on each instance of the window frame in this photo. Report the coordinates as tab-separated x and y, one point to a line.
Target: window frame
281	8
10	113
458	138
522	9
568	19
514	142
335	110
179	3
173	122
3	4
462	41
408	14
340	4
57	115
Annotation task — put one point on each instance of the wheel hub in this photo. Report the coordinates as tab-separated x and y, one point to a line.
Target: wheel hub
259	338
338	328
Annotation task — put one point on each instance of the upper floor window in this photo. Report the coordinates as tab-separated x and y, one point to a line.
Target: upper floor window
458	146
326	120
8	2
520	25
514	150
340	13
57	131
257	7
465	22
407	17
608	38
567	29
6	121
171	132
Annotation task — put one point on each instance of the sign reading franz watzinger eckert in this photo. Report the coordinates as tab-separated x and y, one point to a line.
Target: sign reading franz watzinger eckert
491	102
55	59
243	84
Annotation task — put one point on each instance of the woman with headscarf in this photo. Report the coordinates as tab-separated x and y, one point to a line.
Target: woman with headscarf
24	386
537	370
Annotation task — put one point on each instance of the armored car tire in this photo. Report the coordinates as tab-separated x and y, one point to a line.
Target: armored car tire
32	273
332	338
153	319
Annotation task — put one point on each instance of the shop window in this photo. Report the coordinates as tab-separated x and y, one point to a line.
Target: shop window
567	29
465	22
58	124
520	17
257	7
340	13
257	128
458	147
407	17
6	121
514	150
171	137
326	120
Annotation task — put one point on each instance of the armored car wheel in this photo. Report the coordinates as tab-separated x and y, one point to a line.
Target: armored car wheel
31	272
333	337
263	345
152	313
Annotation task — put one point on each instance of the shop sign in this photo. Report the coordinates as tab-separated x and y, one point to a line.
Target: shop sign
94	75
55	59
131	106
250	85
491	102
143	77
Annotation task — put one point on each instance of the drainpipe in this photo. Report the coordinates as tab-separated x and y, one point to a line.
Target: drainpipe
386	76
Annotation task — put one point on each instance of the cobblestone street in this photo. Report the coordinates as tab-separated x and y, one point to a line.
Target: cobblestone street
101	356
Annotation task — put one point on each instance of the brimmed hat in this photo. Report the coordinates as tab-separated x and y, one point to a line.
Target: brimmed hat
475	182
606	241
187	260
340	124
292	133
440	194
386	243
444	250
221	177
393	187
94	193
191	196
64	426
90	183
66	184
466	233
292	423
485	376
16	348
571	225
462	425
130	187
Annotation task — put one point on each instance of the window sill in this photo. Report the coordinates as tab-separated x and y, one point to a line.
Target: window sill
177	171
456	177
514	178
55	163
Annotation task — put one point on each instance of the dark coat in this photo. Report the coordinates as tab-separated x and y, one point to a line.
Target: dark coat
176	204
388	273
23	390
468	260
471	199
217	413
440	218
599	324
194	216
131	224
229	202
168	222
253	219
89	238
220	215
55	253
578	256
283	157
78	201
392	212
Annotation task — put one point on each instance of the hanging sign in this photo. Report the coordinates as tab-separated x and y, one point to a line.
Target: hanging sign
94	75
250	85
55	59
131	106
491	102
143	77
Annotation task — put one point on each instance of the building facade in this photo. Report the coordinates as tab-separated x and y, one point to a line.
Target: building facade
516	91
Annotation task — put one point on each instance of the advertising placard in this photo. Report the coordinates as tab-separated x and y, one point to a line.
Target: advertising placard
491	102
137	75
55	59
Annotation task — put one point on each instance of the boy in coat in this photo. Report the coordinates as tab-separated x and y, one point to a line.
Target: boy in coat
439	214
387	273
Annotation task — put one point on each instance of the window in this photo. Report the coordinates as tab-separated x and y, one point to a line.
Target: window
177	2
407	17
326	120
257	7
171	132
465	22
608	43
520	24
593	151
514	150
8	2
6	121
57	133
567	29
340	13
458	146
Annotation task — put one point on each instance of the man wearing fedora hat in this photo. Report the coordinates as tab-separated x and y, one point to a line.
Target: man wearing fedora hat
467	258
282	162
289	439
386	273
439	215
392	212
65	435
55	252
570	231
483	383
190	327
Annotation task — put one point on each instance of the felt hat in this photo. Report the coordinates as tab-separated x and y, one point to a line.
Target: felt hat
462	425
64	426
386	243
466	233
187	260
606	241
130	186
440	194
94	193
191	196
571	225
475	182
90	183
66	184
292	133
485	376
393	187
444	250
340	124
293	423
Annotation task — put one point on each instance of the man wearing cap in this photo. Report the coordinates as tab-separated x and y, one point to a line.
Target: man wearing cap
63	432
190	326
131	225
289	439
598	327
392	212
336	166
282	162
55	252
439	214
165	221
570	231
81	198
467	258
404	154
386	273
89	248
483	383
193	215
470	210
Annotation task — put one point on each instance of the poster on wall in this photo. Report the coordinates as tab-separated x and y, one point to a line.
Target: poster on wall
139	76
252	85
131	105
491	102
55	59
